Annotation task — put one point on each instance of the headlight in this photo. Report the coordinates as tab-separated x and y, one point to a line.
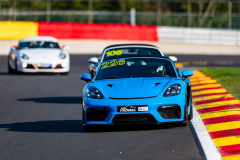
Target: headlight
172	90
93	92
62	55
24	56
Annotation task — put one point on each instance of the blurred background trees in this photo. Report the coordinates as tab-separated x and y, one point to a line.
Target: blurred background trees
180	13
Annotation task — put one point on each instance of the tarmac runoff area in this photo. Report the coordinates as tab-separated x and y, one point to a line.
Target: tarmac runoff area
97	46
220	114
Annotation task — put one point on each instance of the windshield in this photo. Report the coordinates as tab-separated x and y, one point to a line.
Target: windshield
38	44
136	68
131	52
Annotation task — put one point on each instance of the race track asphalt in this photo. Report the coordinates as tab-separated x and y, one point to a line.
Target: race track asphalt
40	118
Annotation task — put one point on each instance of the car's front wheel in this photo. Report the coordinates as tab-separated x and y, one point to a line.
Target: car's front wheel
190	116
10	70
185	121
16	66
88	128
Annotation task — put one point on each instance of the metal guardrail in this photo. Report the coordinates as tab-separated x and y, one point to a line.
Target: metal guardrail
199	36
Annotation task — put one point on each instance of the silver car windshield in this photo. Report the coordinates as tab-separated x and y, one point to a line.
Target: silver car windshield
38	44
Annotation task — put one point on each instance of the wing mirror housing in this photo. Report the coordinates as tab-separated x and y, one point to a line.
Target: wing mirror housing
173	58
93	60
86	77
15	47
186	74
65	47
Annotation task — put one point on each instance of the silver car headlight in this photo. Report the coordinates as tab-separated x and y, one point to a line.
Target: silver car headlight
24	56
172	90
62	55
93	92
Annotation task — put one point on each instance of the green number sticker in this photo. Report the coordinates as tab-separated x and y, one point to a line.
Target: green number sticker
114	53
113	63
121	61
105	65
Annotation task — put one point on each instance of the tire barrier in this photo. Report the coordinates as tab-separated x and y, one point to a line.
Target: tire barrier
220	113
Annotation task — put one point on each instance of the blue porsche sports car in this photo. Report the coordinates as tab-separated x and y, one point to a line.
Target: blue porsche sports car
136	90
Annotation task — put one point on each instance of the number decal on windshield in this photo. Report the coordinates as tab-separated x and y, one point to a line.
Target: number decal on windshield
114	53
105	65
113	63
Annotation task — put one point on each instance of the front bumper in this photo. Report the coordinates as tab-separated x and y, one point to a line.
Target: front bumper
110	115
60	66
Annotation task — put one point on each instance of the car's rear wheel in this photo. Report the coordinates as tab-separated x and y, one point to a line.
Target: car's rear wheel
10	70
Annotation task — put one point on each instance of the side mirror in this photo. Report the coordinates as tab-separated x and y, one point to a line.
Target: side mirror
14	47
93	60
173	58
65	47
187	73
86	77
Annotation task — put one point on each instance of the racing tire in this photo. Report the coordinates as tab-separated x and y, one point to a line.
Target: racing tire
16	67
10	70
185	121
190	116
65	73
88	128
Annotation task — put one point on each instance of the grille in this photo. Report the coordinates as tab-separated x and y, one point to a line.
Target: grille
97	114
58	66
134	118
173	111
44	67
30	66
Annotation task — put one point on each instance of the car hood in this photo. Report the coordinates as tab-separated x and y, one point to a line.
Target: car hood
39	55
134	87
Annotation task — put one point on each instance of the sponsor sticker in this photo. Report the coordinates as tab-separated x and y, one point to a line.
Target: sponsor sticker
142	109
129	108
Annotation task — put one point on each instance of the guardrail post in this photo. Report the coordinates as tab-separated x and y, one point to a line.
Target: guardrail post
189	13
200	13
133	16
158	10
90	11
14	8
48	11
229	14
123	7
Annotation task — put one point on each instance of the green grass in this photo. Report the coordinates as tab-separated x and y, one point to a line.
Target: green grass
229	78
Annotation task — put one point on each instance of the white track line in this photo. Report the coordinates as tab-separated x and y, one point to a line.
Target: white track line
205	140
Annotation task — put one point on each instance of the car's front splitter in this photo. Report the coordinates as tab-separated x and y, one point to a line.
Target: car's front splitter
152	115
33	68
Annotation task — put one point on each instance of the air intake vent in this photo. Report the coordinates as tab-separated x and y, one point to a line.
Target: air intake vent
110	85
156	84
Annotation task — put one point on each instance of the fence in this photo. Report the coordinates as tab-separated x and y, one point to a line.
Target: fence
146	18
199	36
197	13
